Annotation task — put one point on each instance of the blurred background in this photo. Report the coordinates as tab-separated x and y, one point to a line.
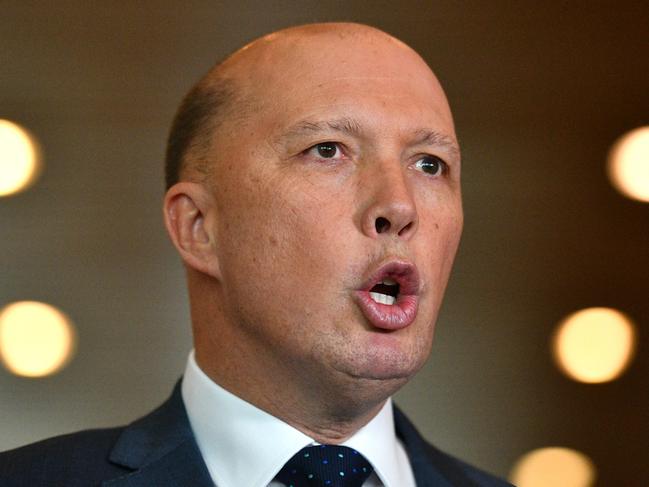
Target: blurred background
541	92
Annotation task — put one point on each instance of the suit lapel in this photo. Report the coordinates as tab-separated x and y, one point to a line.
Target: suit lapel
432	467
161	450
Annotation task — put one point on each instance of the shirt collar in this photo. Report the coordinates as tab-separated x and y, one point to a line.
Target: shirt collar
244	446
378	442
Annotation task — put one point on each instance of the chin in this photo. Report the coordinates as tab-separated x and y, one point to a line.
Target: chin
385	360
377	356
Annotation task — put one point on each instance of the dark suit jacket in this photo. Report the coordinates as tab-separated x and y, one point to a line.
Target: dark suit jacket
159	450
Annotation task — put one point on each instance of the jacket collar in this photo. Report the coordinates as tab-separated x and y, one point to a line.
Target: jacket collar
432	467
160	449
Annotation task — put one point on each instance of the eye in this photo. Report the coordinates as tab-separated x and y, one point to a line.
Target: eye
326	150
432	165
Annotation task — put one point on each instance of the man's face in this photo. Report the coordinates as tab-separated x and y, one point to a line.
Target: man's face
344	175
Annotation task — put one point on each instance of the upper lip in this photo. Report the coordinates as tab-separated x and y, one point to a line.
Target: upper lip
403	272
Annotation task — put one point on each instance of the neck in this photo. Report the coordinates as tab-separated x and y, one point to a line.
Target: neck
328	414
326	404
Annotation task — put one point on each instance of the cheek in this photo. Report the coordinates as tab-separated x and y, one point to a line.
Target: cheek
441	236
311	240
285	239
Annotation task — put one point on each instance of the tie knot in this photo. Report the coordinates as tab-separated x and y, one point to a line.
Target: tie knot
325	466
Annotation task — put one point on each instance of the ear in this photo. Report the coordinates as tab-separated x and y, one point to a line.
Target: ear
190	217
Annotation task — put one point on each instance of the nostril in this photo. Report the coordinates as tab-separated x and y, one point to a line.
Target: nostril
405	229
382	225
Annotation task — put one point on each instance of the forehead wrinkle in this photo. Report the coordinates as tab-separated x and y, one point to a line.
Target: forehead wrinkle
350	126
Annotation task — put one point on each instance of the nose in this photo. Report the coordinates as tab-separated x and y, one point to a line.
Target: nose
391	209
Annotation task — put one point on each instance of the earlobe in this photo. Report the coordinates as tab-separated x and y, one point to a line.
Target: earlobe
189	217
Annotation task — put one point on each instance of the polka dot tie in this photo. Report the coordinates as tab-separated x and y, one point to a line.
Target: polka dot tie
325	466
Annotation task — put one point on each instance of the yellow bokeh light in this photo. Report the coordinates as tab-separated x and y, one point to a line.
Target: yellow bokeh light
628	164
19	158
553	466
36	339
594	345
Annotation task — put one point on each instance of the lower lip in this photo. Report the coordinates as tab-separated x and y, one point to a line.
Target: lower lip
385	316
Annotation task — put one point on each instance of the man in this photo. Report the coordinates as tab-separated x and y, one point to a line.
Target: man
314	198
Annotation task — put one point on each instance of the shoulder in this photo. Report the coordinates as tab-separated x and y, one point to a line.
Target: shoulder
431	464
72	460
155	450
479	477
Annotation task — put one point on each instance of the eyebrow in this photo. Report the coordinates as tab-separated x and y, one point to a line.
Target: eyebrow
349	126
344	125
432	137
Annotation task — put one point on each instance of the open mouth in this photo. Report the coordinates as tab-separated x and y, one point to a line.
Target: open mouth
392	281
385	292
389	298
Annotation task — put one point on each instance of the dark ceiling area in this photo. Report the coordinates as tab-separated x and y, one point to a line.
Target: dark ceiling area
539	92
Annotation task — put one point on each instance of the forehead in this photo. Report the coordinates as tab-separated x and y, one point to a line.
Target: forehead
364	77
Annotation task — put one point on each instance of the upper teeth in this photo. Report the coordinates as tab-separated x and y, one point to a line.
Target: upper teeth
388	281
383	298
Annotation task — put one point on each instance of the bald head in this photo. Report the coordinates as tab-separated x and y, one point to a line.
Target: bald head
309	160
239	86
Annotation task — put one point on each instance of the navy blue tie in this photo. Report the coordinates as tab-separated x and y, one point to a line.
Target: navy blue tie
325	466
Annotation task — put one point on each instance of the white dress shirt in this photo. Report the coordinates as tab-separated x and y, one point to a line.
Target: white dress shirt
244	446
